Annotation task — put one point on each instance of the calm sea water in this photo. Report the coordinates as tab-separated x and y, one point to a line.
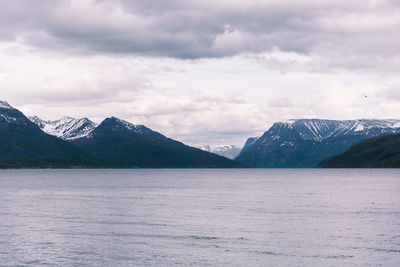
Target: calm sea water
200	217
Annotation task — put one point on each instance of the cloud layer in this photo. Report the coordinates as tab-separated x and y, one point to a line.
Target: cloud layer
201	29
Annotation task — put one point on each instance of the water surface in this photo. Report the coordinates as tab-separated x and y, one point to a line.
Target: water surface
200	217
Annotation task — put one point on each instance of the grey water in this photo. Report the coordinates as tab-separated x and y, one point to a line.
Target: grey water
257	217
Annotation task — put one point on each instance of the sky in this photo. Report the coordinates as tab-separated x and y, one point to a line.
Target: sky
202	71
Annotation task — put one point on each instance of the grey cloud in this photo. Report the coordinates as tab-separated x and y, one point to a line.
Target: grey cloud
194	29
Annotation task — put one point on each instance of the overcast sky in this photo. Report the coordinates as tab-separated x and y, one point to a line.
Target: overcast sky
202	71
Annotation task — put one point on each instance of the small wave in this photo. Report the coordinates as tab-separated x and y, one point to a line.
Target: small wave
336	257
204	237
33	262
387	250
270	253
44	243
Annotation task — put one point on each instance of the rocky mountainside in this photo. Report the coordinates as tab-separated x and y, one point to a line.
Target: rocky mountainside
228	151
23	144
66	128
378	152
304	143
122	144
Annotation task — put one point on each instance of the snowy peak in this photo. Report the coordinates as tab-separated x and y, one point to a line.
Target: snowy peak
116	124
66	128
8	114
228	151
115	128
38	121
318	130
4	104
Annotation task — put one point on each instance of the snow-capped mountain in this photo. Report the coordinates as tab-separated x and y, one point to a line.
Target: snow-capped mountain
228	151
5	112
304	143
8	114
320	130
4	104
24	145
121	144
66	128
116	124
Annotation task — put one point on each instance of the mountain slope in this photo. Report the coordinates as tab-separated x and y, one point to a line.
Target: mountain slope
23	144
122	144
378	152
304	143
66	128
227	151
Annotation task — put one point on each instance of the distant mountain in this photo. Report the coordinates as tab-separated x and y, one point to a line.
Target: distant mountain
23	144
304	143
66	128
122	144
378	152
228	151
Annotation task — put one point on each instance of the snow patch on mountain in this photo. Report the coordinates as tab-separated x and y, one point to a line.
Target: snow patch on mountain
129	126
66	128
4	104
359	128
318	130
7	118
38	121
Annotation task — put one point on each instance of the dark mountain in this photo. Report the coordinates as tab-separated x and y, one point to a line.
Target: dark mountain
122	144
248	143
23	144
304	143
378	152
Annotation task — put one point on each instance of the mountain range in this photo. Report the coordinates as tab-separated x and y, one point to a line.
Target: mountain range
115	143
69	129
305	143
79	143
23	144
123	145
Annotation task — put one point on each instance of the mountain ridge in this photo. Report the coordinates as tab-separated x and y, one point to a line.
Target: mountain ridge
303	143
378	152
24	145
66	128
123	144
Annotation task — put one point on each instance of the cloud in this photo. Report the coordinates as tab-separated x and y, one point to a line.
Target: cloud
44	78
391	94
202	29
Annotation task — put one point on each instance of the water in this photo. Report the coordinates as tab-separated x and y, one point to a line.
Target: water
200	217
